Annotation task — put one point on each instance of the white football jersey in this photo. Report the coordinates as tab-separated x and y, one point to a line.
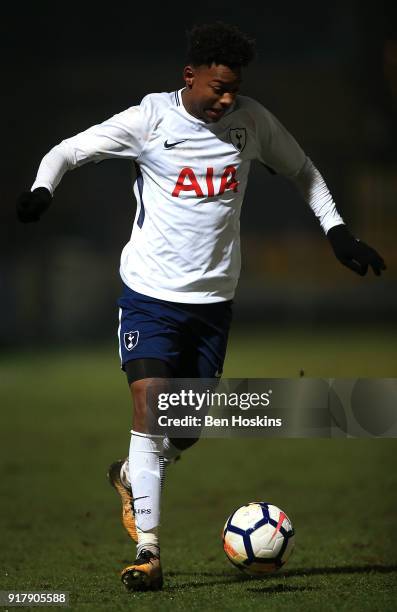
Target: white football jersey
191	180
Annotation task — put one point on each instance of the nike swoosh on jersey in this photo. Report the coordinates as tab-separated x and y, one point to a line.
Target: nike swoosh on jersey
169	145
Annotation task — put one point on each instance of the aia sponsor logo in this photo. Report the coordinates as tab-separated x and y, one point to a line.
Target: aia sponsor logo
187	181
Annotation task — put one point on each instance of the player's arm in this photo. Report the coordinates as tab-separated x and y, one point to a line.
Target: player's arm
280	151
121	136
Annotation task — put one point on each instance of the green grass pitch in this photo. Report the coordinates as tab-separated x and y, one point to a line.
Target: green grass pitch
66	417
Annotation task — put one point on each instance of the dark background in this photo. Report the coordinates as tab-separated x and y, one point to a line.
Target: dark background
327	71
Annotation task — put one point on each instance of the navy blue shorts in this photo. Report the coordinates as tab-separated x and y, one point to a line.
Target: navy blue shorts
191	338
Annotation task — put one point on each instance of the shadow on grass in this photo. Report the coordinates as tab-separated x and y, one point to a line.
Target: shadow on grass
279	588
346	569
313	571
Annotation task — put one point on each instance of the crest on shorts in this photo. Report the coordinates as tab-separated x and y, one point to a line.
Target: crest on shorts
238	136
131	339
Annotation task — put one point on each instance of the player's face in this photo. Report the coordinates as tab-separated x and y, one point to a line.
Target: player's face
211	90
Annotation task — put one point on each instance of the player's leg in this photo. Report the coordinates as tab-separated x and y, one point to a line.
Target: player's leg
146	474
119	471
145	342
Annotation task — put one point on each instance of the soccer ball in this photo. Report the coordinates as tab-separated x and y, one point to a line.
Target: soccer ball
258	538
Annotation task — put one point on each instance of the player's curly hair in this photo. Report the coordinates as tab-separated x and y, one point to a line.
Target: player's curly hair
219	43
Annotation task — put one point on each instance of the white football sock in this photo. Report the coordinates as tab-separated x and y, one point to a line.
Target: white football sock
145	478
125	472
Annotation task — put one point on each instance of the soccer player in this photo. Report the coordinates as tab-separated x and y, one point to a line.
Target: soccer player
192	150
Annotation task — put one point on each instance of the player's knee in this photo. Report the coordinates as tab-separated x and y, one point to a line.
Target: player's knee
145	404
139	398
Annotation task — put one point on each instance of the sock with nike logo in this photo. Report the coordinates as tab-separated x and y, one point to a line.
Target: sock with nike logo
146	477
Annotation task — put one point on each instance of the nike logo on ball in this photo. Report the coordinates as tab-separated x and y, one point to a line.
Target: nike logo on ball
169	145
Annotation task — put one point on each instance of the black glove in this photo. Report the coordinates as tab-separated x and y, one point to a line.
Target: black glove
32	204
353	253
